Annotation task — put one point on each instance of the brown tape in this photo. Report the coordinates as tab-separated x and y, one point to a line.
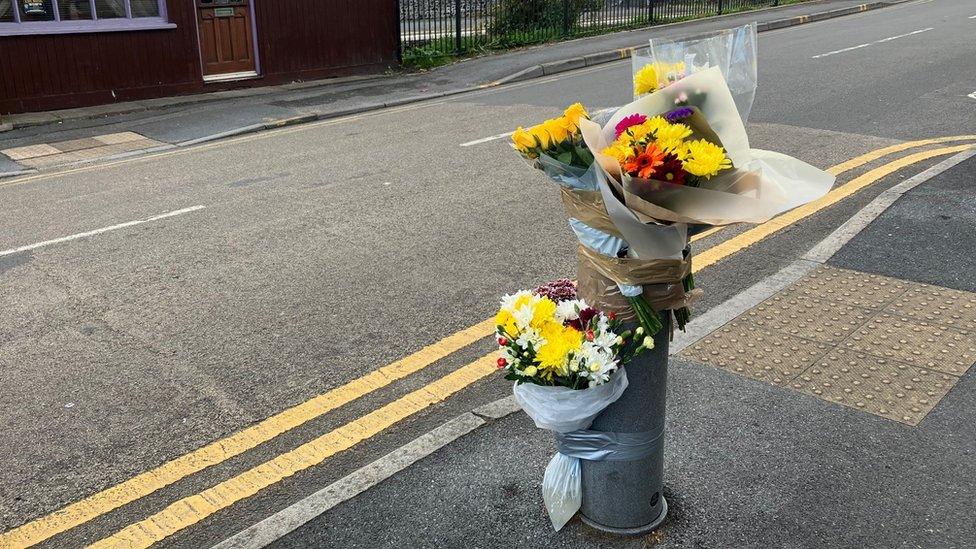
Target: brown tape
587	206
604	293
625	270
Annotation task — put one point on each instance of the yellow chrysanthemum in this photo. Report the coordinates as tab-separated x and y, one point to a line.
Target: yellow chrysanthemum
671	132
705	159
645	80
622	152
574	112
651	126
523	140
505	319
553	356
543	313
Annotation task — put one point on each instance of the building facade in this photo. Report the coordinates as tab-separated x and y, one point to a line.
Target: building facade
71	53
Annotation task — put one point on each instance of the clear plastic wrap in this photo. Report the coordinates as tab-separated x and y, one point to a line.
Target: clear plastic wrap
564	410
733	51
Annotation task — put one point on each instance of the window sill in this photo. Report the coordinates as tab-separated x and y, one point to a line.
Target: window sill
79	27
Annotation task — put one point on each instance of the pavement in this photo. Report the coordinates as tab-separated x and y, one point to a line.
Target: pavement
196	339
186	120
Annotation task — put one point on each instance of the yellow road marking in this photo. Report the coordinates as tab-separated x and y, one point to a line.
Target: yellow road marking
859	161
190	510
217	452
754	235
146	483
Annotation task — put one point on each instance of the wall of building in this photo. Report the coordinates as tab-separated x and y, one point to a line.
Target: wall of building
297	40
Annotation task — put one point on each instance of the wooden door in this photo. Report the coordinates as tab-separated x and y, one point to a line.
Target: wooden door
226	37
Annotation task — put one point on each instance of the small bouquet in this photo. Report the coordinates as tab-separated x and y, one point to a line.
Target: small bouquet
566	360
549	337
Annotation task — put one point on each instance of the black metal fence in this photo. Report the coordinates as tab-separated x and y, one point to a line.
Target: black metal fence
430	28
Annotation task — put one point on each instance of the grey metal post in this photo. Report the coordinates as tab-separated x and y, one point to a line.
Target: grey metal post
627	497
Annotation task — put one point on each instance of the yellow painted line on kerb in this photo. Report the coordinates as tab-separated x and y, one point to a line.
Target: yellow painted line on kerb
217	452
146	483
193	509
760	232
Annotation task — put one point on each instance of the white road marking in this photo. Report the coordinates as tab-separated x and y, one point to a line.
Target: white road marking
99	231
486	139
972	16
972	95
883	40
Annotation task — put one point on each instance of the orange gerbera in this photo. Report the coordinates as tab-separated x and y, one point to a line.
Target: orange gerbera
644	164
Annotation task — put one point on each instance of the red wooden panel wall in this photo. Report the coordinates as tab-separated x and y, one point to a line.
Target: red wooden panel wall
69	70
297	39
311	38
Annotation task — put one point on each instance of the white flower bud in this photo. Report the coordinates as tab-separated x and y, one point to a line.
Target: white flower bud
639	331
619	340
648	342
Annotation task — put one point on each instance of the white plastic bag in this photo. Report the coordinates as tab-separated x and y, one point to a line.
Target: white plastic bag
562	489
563	410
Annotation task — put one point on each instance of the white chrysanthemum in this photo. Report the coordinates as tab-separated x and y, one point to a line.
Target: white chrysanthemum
569	310
508	300
529	336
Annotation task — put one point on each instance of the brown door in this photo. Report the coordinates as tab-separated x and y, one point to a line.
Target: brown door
226	37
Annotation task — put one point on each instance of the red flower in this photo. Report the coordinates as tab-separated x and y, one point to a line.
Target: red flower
645	164
585	316
502	363
671	171
502	341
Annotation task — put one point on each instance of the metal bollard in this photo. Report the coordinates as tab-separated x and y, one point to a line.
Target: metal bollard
626	497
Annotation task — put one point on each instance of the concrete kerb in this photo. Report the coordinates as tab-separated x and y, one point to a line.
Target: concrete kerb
294	516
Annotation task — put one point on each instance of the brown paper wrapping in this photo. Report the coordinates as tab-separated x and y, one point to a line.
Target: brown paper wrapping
587	206
603	293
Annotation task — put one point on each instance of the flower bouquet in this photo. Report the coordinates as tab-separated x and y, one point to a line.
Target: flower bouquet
565	358
556	147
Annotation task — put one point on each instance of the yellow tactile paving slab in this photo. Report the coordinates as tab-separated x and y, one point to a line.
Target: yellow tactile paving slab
64	152
30	151
749	350
889	347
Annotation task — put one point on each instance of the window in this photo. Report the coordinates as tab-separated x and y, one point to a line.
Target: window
66	16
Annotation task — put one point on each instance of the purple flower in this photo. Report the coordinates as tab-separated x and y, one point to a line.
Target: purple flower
679	114
627	122
562	289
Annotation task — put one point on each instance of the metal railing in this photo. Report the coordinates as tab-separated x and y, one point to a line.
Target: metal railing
449	27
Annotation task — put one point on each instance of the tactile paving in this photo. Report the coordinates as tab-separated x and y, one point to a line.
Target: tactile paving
879	386
865	290
917	343
816	319
746	349
889	347
935	305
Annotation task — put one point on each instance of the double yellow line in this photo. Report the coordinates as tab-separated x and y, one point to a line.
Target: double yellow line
190	510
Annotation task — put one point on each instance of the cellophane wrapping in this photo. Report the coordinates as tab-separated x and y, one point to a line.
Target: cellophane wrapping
563	410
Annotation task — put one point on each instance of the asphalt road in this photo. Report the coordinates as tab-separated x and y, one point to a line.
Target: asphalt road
325	251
